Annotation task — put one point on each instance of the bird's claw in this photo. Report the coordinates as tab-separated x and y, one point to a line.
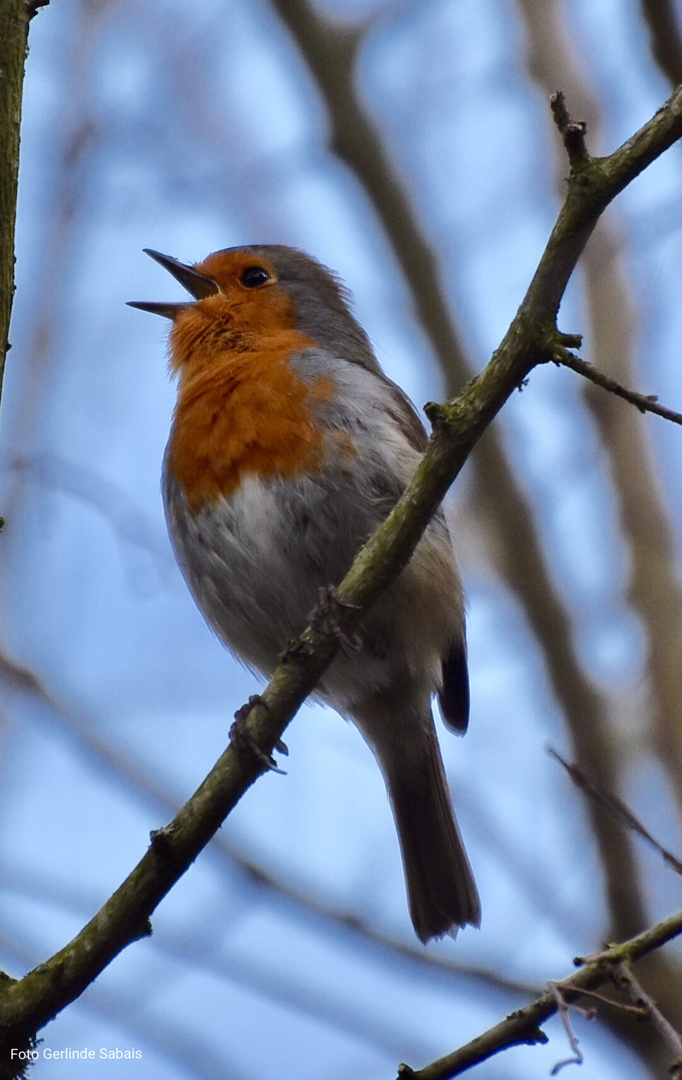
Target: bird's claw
243	741
324	618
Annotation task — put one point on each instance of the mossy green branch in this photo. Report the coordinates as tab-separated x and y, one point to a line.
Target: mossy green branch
14	19
532	339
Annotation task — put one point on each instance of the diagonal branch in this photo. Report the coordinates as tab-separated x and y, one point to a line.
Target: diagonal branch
652	590
625	980
644	402
30	1002
330	51
146	787
617	808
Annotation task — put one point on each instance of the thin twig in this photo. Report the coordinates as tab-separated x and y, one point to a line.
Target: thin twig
617	808
644	402
624	978
620	1006
572	131
565	1008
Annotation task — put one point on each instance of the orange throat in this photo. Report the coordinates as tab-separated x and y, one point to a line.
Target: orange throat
246	413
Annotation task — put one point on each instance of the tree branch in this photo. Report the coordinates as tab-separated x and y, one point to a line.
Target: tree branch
147	788
627	983
532	338
619	810
330	52
523	1026
644	402
652	589
14	20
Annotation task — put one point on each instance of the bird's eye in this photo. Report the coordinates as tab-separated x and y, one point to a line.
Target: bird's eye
253	277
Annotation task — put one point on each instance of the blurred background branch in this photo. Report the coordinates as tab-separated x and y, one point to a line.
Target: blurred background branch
663	24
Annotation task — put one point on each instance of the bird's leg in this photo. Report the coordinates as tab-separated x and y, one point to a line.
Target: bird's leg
324	617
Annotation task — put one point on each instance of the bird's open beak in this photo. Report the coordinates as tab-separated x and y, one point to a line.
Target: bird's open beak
199	285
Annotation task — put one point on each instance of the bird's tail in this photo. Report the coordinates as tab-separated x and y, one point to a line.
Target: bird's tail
441	889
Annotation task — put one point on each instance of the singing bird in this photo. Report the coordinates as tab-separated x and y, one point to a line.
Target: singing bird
288	447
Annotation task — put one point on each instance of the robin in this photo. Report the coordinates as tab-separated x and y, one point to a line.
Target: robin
288	447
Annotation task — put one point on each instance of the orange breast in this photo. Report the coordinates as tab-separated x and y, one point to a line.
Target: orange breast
246	413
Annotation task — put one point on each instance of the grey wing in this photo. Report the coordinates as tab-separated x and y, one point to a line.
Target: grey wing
453	697
407	417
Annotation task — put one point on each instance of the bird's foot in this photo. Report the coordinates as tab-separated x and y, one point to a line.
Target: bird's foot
324	617
244	742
